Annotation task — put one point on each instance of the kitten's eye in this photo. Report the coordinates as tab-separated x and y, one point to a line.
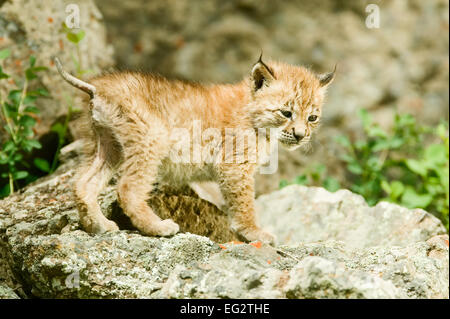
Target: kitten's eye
287	114
312	118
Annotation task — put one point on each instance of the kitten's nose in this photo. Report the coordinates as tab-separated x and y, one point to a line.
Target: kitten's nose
297	136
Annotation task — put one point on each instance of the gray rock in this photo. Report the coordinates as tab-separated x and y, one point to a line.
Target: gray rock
299	214
333	246
7	293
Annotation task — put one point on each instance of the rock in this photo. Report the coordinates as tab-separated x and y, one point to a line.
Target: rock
332	246
34	28
7	293
299	214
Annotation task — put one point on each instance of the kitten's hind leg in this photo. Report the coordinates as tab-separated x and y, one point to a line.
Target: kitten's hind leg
138	173
92	178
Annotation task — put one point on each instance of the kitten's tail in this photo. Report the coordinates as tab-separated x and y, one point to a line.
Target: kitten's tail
86	87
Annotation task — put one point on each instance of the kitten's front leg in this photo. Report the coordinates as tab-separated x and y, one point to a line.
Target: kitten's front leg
237	186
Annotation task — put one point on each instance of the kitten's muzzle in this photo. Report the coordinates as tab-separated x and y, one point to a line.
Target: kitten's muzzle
290	137
297	136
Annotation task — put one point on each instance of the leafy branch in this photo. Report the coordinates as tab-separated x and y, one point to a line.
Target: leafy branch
18	112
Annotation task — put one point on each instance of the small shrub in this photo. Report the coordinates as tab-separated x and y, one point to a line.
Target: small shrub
18	113
408	165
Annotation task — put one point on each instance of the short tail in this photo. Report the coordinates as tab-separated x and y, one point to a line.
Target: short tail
86	87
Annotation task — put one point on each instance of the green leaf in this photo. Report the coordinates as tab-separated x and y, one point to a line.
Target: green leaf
4	190
346	158
405	120
31	109
386	187
365	118
14	96
283	183
30	74
331	184
355	168
3	75
5	53
17	157
58	128
381	145
301	180
416	166
397	188
344	141
27	131
28	145
320	169
29	99
376	131
397	142
436	153
72	37
394	190
39	92
76	37
412	199
42	164
81	35
20	174
442	131
3	158
374	164
64	27
360	145
27	121
32	61
8	146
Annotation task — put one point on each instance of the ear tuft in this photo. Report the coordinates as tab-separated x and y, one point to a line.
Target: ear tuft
262	74
327	78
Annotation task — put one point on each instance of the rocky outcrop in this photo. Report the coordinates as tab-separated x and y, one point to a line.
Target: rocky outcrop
34	28
330	245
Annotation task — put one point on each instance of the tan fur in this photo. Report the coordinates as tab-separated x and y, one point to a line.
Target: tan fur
132	115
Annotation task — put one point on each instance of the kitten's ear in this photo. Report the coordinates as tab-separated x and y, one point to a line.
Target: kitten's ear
326	78
262	74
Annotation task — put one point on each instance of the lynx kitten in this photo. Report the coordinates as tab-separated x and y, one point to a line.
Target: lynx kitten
131	118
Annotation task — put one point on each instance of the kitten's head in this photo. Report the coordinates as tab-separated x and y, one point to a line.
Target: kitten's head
288	98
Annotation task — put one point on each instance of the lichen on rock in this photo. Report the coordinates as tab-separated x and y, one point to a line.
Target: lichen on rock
330	245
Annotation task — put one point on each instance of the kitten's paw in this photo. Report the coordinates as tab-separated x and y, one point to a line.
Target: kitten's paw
99	226
166	227
254	234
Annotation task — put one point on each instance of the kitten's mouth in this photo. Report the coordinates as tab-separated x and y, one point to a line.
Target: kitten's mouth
290	144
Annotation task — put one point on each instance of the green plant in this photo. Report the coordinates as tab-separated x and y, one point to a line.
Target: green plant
18	112
75	36
314	175
408	165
